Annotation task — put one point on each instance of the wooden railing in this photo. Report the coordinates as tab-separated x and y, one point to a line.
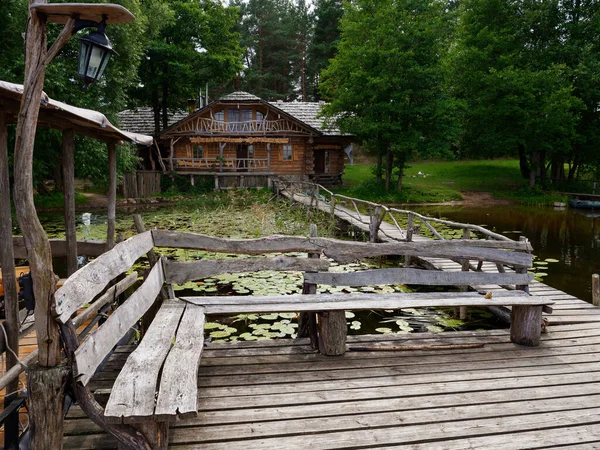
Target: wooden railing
205	125
219	165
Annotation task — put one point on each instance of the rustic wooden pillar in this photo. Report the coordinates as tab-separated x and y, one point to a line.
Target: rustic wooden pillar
409	235
332	329
376	219
47	386
7	263
462	313
221	147
155	433
307	321
596	289
171	154
68	157
526	325
268	157
112	193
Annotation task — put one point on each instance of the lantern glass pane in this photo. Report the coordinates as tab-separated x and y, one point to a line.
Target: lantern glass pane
84	49
103	64
95	63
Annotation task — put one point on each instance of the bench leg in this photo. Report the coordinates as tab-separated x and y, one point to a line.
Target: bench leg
156	433
526	325
332	332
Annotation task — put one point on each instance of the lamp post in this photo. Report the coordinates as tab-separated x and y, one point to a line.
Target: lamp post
47	380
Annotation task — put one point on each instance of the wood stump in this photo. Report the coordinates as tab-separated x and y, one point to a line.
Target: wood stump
526	325
332	332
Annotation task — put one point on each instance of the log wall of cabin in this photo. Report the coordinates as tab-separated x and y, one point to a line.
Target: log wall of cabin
297	165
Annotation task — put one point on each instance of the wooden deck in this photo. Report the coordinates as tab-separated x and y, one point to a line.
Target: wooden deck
281	394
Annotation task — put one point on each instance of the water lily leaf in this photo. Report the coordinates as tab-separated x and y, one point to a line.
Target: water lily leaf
434	329
288	315
551	260
220	334
213	325
384	330
355	325
350	315
272	316
449	323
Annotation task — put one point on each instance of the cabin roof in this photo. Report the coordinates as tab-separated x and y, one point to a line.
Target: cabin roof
141	119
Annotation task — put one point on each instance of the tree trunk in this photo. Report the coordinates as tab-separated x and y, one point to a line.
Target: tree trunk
379	168
68	149
523	164
534	168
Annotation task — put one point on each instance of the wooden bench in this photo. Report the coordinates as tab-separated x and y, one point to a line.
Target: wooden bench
158	383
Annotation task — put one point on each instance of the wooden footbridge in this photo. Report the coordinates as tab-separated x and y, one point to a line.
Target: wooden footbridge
517	388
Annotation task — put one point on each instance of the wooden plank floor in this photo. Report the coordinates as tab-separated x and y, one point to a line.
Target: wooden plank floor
281	394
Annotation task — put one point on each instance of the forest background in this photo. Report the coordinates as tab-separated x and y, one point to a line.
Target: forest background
411	79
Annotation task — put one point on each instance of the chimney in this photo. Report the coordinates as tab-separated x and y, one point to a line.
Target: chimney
191	103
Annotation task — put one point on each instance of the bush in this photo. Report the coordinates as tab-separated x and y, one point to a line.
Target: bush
181	184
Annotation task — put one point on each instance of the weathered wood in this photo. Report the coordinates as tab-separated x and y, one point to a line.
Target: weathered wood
307	321
177	395
526	325
180	272
95	348
596	289
331	328
68	160
465	266
46	386
410	348
414	276
9	284
111	147
85	399
59	247
88	282
375	223
156	434
346	251
132	399
110	295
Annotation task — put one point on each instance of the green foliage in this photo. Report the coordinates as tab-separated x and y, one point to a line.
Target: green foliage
385	83
181	184
56	200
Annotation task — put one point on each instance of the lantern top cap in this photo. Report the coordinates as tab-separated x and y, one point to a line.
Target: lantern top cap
61	12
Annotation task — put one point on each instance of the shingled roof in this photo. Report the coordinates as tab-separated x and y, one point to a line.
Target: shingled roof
238	96
307	112
141	120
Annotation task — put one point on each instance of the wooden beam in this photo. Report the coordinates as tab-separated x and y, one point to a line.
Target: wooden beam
59	247
68	157
112	193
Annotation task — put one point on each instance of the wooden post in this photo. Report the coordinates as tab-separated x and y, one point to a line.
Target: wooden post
112	193
221	147
409	235
68	150
47	386
462	314
526	325
332	331
7	264
332	208
596	289
171	154
375	223
317	197
268	157
307	321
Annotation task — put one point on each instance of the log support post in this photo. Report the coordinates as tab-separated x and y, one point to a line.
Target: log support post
307	321
112	193
269	158
526	325
332	208
462	311
409	235
68	150
332	332
155	433
46	387
375	223
596	289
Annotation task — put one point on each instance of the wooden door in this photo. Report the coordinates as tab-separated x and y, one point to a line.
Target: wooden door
242	158
319	161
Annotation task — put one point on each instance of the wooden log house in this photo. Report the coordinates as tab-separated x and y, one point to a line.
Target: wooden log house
242	140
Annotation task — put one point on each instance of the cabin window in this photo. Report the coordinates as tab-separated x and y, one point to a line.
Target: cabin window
220	116
259	116
198	152
250	151
326	162
246	115
287	153
233	115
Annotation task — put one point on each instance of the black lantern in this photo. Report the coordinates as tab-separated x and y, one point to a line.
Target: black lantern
94	53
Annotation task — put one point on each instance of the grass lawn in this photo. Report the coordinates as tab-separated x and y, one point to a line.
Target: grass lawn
444	181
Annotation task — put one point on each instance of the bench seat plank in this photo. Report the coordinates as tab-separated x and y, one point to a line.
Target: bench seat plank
333	302
133	395
178	393
94	349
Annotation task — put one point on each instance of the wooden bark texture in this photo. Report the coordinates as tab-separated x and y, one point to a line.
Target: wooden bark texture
46	387
332	329
68	160
345	251
134	393
59	247
415	276
156	434
526	325
307	321
180	272
88	282
95	348
178	393
7	258
112	193
38	247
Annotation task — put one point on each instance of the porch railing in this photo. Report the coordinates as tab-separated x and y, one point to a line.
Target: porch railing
219	164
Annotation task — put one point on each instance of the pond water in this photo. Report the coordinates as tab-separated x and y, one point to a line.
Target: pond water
566	244
568	238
